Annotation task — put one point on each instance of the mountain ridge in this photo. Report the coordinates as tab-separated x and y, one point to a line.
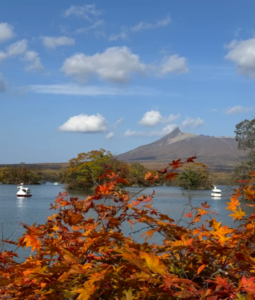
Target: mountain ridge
219	153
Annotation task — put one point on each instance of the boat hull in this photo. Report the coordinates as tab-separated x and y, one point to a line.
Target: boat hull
214	195
19	195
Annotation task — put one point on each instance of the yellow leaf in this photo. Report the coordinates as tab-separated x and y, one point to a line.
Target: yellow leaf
128	295
86	292
153	263
55	228
238	215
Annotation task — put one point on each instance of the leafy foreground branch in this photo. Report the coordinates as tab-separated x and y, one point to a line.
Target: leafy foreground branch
82	257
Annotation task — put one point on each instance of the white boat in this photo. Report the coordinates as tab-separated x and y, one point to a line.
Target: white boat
216	192
23	191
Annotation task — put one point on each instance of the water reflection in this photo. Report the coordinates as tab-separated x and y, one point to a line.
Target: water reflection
216	198
20	202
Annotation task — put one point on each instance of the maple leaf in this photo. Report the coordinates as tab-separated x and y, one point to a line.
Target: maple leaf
250	194
238	215
204	205
32	241
191	159
171	175
149	233
87	291
128	295
135	202
163	171
189	215
175	164
105	189
247	285
149	176
153	263
233	204
222	283
200	269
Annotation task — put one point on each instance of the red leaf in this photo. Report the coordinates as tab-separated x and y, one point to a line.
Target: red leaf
189	215
175	164
191	159
163	171
171	175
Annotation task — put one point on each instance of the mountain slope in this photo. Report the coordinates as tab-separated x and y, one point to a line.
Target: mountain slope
219	153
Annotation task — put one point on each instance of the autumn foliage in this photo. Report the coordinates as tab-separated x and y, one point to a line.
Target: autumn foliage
82	253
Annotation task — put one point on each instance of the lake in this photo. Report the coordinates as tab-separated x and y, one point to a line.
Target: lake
168	200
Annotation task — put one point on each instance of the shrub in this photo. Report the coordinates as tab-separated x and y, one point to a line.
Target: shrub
80	257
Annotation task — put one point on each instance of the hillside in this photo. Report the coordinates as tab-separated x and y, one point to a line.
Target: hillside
219	153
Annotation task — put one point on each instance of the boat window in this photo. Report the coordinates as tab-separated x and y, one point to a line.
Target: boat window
24	190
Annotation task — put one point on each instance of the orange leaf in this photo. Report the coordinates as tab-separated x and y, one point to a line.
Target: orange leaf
171	175
149	233
189	215
233	204
32	241
250	194
200	269
149	176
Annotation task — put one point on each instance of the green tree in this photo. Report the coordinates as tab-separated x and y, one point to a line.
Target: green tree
15	175
245	135
194	176
85	170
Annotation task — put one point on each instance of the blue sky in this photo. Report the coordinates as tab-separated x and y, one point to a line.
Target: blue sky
77	76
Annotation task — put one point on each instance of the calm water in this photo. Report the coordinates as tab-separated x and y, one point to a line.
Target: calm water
168	200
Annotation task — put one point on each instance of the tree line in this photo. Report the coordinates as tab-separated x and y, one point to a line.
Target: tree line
21	174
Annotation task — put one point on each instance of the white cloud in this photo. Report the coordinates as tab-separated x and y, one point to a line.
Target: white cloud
87	11
116	64
54	42
164	131
3	56
2	84
242	53
130	133
17	48
77	90
87	29
85	123
174	63
122	35
238	109
34	61
117	124
191	123
6	32
110	135
146	26
153	118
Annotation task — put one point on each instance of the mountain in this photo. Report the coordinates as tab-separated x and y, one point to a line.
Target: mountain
219	153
